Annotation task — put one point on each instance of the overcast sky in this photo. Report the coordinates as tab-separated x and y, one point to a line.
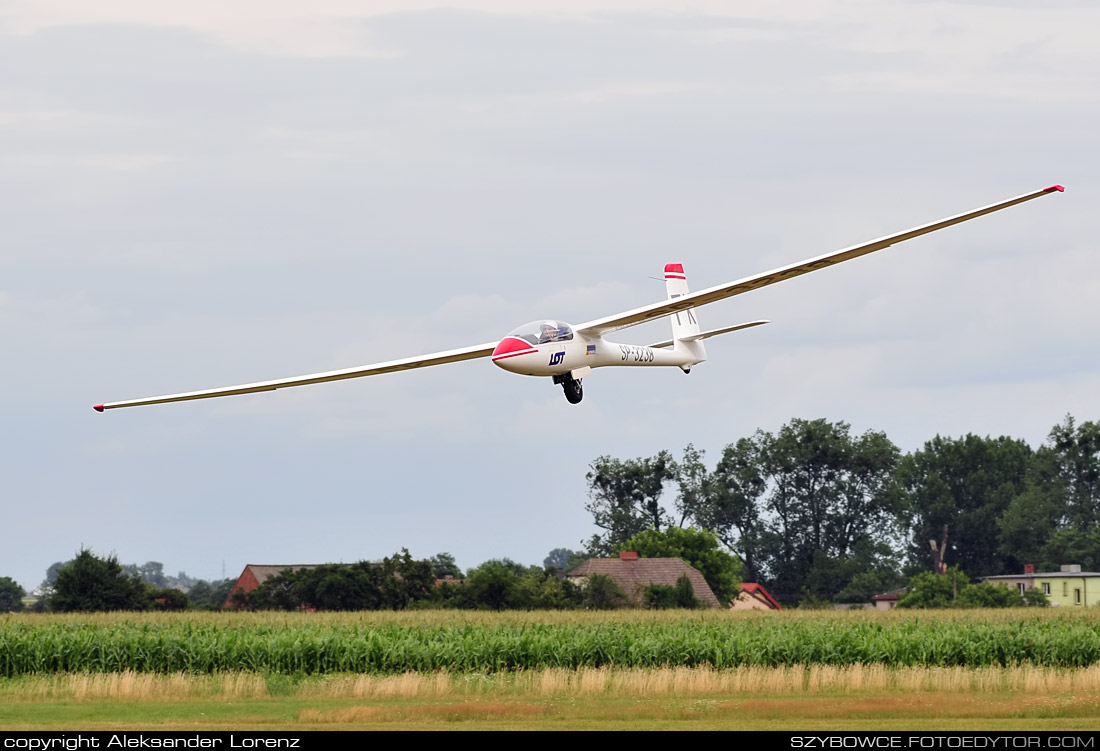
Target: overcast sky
229	192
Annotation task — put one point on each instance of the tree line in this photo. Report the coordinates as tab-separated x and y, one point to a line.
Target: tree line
813	512
91	583
817	513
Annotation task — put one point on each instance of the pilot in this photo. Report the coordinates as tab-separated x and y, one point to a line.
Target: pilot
549	332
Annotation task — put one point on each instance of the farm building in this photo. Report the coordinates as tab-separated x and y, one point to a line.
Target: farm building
754	597
888	600
1069	587
634	574
256	574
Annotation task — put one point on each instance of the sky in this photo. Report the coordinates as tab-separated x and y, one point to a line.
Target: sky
202	194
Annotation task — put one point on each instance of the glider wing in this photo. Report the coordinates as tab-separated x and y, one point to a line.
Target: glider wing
664	308
408	363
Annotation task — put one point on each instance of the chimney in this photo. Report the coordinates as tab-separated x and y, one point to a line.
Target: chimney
1071	568
1029	568
626	555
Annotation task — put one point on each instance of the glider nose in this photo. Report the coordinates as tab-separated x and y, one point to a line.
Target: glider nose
511	348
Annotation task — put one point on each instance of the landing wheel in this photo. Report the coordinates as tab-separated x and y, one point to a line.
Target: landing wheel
573	390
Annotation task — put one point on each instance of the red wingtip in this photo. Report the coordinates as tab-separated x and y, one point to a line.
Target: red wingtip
98	408
1053	188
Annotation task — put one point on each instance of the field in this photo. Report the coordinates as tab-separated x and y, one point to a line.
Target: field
1009	670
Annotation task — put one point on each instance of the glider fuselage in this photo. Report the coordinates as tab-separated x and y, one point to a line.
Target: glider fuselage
559	350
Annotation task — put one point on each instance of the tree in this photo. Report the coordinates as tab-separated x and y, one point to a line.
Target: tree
663	597
206	595
624	498
543	589
88	584
403	579
967	484
989	595
1034	598
444	565
731	507
392	583
602	593
168	598
1076	451
930	590
699	549
563	559
11	595
493	584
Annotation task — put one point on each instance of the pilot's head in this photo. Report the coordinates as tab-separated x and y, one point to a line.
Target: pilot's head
549	331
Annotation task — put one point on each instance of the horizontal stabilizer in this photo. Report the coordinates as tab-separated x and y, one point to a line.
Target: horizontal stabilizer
709	334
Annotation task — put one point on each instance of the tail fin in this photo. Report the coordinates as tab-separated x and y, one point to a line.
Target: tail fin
684	324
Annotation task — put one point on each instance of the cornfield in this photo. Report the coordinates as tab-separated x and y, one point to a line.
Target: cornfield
388	644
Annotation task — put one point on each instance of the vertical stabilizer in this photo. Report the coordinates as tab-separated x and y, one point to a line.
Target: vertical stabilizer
684	323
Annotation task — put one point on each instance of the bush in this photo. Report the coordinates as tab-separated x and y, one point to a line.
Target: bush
602	593
89	584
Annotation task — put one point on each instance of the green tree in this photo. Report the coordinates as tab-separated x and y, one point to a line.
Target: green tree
967	484
494	585
1076	451
88	584
989	595
624	498
699	549
404	579
830	498
444	565
563	559
663	597
1034	598
602	593
542	589
206	595
732	502
168	598
931	590
11	595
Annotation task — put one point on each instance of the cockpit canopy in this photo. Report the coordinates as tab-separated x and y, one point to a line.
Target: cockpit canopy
541	332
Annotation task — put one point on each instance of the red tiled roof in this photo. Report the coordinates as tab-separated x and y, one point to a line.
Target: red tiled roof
757	590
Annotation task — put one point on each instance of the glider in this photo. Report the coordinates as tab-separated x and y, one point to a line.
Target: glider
568	353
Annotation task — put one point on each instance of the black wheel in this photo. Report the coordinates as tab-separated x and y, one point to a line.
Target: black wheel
573	391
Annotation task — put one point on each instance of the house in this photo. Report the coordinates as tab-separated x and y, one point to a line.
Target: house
1069	587
634	574
256	574
754	597
888	600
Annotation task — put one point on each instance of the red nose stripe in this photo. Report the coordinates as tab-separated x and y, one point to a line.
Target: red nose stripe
512	346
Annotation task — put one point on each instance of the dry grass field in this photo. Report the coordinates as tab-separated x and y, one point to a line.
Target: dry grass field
870	697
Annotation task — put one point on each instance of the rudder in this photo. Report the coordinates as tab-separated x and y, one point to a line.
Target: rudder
684	323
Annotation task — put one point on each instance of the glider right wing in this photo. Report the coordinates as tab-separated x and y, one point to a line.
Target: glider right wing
664	308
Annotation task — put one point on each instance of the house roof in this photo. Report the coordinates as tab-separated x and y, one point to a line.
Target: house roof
893	594
757	590
634	575
263	572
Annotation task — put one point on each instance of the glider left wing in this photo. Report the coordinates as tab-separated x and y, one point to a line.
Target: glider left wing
408	363
602	326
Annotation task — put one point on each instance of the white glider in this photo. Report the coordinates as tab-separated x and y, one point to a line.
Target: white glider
568	353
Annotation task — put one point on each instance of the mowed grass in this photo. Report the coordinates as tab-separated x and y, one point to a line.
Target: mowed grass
869	697
951	670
